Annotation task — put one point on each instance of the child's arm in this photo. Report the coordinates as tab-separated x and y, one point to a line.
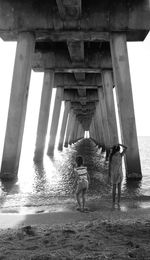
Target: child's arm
109	170
109	166
109	173
124	149
75	180
88	177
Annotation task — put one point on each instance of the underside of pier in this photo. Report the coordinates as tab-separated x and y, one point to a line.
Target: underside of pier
81	46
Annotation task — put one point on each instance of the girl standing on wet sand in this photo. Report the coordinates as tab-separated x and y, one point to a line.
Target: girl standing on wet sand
81	182
115	170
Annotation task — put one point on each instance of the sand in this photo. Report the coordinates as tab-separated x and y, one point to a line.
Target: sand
64	233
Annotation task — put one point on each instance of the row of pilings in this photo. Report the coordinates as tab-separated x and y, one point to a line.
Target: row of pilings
100	121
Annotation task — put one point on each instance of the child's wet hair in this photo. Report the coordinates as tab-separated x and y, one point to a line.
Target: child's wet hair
79	160
116	148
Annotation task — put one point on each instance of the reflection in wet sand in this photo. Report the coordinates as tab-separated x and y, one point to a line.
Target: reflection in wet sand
132	188
50	182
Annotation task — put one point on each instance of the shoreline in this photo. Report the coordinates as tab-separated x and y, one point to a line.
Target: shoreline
66	212
102	233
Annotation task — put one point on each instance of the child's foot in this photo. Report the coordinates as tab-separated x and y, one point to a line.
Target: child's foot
79	209
85	209
118	205
113	206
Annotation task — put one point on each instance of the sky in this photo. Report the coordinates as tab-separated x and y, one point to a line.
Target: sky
139	60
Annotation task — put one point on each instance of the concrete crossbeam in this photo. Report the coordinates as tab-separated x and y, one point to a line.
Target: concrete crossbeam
62	80
31	15
90	97
59	60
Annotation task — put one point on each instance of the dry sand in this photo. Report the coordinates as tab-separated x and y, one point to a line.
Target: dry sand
64	233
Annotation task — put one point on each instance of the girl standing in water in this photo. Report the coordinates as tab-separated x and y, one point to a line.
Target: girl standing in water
81	182
115	170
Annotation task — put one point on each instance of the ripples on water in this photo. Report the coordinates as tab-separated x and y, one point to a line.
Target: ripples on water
52	180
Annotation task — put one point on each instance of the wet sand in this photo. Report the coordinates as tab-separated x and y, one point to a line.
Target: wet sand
57	231
62	232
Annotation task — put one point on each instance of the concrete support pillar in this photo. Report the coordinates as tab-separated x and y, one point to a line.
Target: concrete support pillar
92	131
48	83
72	129
64	124
96	127
74	133
68	128
80	133
125	104
100	126
55	120
103	112
17	106
76	130
110	106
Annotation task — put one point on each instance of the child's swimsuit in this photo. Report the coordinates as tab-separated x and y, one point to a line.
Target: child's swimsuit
116	168
82	178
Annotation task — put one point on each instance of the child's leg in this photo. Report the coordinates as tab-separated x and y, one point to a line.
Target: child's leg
114	193
78	199
83	197
78	193
119	192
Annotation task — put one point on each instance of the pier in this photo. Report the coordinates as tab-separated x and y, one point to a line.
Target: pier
81	47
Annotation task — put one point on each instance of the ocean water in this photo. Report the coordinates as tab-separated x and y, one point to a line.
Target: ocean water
143	187
51	182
